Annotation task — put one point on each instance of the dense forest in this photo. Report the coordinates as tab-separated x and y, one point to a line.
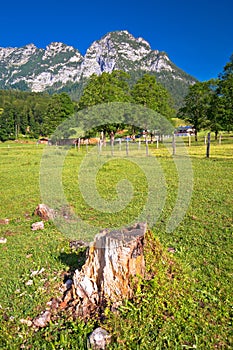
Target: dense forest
207	105
31	114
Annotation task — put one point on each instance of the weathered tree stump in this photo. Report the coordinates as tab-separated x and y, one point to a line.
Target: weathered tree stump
114	258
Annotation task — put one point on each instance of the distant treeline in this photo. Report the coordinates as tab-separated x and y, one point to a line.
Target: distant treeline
207	105
39	114
30	113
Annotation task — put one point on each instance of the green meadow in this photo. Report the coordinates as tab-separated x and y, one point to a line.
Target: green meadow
187	303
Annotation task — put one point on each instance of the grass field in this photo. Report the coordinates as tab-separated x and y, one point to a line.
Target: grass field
188	302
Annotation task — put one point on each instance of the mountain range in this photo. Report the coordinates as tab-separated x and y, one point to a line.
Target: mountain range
60	67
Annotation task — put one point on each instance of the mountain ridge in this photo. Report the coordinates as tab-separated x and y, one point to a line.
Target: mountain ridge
58	65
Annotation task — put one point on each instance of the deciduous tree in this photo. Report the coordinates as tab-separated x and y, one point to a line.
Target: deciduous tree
150	94
59	108
226	94
104	89
196	106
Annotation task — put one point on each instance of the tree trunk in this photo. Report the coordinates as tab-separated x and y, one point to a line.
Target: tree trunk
114	258
195	135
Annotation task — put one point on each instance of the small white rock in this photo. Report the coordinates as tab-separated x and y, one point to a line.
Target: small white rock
3	240
38	226
98	339
42	320
29	283
34	273
27	322
37	272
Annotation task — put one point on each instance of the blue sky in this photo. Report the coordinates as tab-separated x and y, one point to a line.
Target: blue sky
196	35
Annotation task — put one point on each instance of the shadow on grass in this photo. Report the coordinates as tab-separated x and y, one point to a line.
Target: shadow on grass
75	260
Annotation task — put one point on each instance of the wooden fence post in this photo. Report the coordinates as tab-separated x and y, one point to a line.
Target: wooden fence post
119	144
174	144
208	145
127	148
139	144
147	151
189	140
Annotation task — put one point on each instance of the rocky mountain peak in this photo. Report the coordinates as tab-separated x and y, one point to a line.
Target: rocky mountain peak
58	64
115	50
56	48
59	47
30	46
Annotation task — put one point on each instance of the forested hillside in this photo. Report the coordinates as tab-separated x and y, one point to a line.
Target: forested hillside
31	114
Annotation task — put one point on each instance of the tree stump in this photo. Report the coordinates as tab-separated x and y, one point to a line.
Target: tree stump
113	259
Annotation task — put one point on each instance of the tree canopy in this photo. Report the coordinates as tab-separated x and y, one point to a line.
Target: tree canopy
107	87
225	94
114	87
150	94
210	104
59	108
196	105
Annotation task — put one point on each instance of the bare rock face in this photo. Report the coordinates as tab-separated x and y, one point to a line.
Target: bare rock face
44	212
114	258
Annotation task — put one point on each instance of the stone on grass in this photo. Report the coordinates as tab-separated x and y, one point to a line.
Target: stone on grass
37	272
27	322
98	339
38	226
171	250
4	221
43	319
44	212
3	240
29	283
